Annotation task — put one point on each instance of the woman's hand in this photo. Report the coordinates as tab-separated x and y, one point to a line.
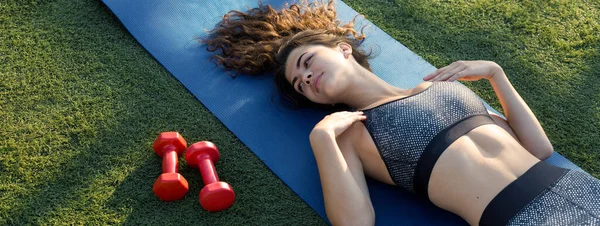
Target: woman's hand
466	71
337	122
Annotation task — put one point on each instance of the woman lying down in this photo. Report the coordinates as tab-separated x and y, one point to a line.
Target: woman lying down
436	140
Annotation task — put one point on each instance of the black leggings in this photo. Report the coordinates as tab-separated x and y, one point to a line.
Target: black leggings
546	195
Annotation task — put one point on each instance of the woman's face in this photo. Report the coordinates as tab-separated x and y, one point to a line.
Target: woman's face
316	71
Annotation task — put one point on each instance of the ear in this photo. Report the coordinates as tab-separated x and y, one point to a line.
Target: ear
346	49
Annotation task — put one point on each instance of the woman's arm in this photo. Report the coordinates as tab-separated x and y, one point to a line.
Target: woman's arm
345	191
519	117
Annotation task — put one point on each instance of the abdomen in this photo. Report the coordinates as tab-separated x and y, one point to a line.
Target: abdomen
475	168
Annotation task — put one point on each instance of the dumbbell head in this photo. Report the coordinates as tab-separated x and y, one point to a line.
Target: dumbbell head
217	196
169	138
201	148
170	185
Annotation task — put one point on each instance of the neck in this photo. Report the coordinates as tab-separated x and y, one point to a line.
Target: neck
368	89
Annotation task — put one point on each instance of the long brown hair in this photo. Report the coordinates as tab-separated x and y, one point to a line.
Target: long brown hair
260	40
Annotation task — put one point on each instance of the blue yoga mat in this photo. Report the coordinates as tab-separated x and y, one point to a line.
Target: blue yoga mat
250	108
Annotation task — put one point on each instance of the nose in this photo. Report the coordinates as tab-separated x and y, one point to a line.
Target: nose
306	77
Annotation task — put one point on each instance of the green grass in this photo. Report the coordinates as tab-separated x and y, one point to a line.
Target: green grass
82	102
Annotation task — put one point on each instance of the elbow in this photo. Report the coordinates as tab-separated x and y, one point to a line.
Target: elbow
543	151
544	155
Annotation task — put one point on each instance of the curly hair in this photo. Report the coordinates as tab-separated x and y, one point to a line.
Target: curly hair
260	40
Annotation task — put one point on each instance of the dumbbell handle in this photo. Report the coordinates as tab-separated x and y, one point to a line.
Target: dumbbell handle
170	160
207	169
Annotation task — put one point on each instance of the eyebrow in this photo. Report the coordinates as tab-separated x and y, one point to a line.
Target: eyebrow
298	62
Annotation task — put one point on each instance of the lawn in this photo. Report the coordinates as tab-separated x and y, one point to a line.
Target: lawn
82	102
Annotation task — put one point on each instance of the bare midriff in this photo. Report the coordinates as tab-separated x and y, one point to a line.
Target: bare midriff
469	173
475	168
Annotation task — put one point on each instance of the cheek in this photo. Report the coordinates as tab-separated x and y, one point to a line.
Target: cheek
330	85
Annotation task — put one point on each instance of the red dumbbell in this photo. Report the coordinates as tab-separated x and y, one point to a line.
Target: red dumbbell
216	195
170	186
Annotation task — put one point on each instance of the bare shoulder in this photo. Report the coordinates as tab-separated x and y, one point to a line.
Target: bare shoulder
420	87
423	85
350	139
358	138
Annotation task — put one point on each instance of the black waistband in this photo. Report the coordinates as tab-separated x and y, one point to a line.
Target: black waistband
520	192
438	145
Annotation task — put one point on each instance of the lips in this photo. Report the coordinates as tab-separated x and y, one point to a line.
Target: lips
317	82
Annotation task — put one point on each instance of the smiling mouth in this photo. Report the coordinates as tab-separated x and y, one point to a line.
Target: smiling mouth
318	82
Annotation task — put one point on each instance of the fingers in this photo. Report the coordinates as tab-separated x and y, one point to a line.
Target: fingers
340	121
446	73
350	115
436	73
356	115
449	73
361	116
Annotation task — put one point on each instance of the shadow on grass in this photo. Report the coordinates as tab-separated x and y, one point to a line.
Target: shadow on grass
114	174
108	179
105	159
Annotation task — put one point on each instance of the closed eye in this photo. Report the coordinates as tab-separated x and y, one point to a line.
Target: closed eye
307	60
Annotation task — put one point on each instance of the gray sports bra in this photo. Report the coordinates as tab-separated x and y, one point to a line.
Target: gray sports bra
412	132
